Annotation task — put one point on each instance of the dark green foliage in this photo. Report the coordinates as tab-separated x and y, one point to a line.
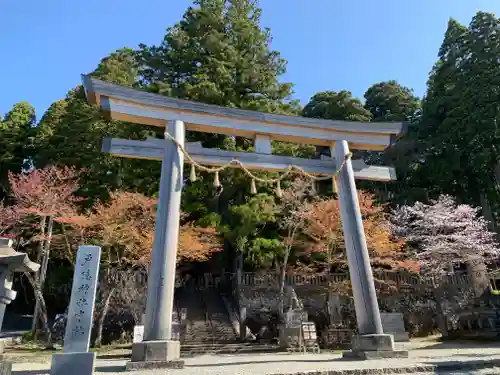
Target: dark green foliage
218	53
336	106
71	133
389	101
457	138
16	130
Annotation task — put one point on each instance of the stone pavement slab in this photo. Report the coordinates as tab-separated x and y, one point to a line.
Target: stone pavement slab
438	357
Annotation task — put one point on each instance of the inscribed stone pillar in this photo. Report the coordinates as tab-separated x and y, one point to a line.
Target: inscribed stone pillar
77	359
158	350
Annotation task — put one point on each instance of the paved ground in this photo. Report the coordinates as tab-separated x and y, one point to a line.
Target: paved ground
423	354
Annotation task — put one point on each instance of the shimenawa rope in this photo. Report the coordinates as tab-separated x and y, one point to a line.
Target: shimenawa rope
291	169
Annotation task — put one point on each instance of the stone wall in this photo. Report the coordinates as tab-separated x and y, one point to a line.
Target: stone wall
328	299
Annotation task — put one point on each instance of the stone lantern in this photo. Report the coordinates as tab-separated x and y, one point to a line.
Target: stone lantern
11	261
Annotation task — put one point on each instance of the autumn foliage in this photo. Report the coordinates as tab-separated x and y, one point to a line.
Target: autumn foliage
8	218
325	235
46	192
125	226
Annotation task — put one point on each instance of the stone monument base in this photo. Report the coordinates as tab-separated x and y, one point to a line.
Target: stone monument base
72	363
401	336
155	355
5	368
376	346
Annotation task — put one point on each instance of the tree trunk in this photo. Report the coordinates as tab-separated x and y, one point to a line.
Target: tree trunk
42	310
102	317
39	257
440	314
441	320
45	263
488	213
281	297
46	253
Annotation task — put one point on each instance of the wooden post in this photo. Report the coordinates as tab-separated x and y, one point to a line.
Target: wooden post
363	288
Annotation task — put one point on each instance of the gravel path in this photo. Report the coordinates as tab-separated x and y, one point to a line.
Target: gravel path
422	355
271	364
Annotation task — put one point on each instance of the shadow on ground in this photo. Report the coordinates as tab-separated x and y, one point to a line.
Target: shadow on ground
103	369
470	344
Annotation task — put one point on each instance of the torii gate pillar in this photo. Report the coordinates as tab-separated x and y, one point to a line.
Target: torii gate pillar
370	342
158	350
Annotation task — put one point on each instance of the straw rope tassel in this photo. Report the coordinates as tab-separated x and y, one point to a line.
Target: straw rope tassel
313	187
216	179
192	174
279	192
253	187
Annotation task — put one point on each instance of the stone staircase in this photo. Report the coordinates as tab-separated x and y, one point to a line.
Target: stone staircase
207	328
206	322
223	331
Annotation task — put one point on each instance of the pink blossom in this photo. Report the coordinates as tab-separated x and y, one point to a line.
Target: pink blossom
443	233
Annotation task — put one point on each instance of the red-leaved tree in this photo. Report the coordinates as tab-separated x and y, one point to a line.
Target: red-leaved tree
324	230
47	194
124	228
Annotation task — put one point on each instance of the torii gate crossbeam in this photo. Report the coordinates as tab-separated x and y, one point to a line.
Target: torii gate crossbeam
176	116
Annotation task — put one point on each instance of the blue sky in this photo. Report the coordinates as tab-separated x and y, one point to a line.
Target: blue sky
330	44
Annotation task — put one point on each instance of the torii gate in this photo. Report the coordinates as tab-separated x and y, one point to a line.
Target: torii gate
176	116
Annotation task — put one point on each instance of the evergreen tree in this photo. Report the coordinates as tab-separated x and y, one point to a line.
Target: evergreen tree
458	135
71	132
389	101
336	106
15	142
218	54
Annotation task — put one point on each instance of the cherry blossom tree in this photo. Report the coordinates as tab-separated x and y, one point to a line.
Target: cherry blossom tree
443	234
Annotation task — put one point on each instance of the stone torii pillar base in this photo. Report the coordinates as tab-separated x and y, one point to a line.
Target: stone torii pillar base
376	346
155	355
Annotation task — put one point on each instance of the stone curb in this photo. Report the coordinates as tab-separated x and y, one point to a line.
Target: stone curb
411	369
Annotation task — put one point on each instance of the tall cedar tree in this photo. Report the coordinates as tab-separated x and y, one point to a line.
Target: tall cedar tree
219	54
458	136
